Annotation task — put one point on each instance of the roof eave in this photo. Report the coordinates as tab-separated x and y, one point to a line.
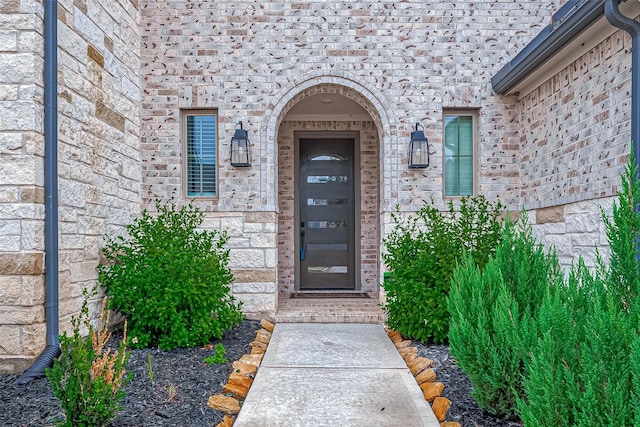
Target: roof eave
571	20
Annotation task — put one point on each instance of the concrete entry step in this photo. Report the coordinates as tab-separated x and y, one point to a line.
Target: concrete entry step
329	310
333	375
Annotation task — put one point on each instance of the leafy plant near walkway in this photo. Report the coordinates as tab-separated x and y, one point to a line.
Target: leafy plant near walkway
218	357
170	279
88	379
422	252
554	351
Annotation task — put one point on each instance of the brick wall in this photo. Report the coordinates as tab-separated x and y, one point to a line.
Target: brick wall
403	62
99	162
574	143
575	128
418	58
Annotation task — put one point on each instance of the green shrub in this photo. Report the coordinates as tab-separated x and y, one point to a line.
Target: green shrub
579	372
550	379
623	231
547	375
88	379
492	312
573	343
635	378
218	357
422	252
170	280
584	370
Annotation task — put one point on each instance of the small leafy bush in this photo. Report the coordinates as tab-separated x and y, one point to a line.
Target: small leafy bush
422	252
170	280
88	379
218	357
492	315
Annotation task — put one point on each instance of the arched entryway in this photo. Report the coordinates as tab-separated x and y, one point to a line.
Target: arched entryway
329	218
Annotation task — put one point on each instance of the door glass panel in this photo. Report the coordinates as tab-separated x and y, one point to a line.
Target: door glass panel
326	157
325	179
326	202
333	269
327	247
327	224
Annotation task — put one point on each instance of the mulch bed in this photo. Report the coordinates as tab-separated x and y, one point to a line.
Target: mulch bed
457	388
147	404
183	371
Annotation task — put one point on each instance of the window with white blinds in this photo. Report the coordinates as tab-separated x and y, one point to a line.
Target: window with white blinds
458	154
201	135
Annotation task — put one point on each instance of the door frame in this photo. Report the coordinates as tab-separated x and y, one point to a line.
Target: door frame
355	136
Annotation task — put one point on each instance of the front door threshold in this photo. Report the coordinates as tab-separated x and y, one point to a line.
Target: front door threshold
330	309
329	294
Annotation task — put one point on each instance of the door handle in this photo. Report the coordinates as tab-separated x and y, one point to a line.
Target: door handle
302	251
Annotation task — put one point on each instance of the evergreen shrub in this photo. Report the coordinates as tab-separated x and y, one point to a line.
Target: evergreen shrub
170	280
422	252
554	351
492	315
584	371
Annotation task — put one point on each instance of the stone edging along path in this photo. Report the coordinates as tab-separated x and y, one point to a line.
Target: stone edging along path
425	376
244	370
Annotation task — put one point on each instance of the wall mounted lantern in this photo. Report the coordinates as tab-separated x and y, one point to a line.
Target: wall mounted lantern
240	149
418	149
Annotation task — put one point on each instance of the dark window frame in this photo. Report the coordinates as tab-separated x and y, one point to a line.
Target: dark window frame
200	165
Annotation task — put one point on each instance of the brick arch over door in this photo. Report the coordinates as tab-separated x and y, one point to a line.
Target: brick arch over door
370	183
380	109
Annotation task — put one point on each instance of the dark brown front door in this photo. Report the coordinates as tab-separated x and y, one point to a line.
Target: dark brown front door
326	214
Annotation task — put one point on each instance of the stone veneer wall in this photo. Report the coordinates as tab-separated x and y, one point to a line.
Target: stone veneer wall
252	257
369	200
99	160
575	142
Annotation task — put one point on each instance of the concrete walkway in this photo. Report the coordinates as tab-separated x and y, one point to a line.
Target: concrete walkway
346	375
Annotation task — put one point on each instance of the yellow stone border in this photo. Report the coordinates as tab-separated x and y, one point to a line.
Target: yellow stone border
425	376
240	380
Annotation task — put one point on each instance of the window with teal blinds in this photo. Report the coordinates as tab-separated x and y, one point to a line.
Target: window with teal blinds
458	156
201	155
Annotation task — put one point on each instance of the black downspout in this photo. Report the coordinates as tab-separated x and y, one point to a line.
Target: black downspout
52	350
631	26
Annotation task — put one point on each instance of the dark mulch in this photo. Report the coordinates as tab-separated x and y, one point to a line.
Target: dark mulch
183	371
457	389
180	371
